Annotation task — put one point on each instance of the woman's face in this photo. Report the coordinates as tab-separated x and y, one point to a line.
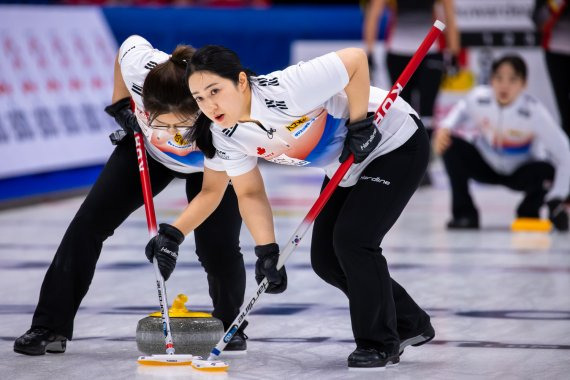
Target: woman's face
220	99
168	132
507	85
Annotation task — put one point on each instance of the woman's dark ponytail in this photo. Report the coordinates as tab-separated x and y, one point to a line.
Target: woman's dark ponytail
165	89
202	135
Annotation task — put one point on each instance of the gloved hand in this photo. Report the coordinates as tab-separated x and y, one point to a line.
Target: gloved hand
361	139
267	257
557	214
164	247
121	112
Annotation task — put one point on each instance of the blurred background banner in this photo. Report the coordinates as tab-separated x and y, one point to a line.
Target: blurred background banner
56	76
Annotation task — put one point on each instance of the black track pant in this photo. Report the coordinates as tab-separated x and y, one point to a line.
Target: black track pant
423	87
346	253
113	197
463	162
558	65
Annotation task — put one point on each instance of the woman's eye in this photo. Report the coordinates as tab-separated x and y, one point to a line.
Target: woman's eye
198	99
214	91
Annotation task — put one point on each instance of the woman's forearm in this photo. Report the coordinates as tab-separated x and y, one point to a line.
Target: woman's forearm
120	90
199	209
358	88
258	217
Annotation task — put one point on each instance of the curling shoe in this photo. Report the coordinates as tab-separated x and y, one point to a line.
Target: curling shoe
238	344
371	359
463	223
38	341
417	340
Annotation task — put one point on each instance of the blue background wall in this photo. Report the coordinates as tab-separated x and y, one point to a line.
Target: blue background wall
261	37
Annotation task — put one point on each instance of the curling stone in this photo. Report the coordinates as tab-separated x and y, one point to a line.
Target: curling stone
193	332
531	225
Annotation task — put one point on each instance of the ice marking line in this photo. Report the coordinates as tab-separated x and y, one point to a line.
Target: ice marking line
319	340
386	248
439	268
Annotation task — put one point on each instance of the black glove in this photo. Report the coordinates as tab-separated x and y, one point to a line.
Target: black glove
267	257
164	247
451	64
557	214
121	112
361	139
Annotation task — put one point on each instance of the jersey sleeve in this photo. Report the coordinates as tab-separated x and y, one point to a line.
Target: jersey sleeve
310	84
136	58
229	158
550	134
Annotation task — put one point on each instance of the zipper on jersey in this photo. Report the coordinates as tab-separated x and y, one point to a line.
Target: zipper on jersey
270	132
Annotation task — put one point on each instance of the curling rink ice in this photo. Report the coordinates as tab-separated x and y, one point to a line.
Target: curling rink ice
499	301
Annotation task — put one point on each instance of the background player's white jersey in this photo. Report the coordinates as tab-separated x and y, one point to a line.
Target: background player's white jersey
302	112
136	58
512	135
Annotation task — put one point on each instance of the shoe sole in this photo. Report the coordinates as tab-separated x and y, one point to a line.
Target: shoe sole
57	347
416	341
391	363
29	353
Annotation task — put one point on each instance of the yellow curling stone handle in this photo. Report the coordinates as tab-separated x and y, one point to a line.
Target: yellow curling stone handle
531	225
179	310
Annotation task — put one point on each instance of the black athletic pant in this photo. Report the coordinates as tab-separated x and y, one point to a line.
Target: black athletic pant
558	65
113	197
346	253
463	162
423	87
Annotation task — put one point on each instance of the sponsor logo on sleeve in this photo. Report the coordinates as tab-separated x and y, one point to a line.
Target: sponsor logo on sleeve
299	132
291	127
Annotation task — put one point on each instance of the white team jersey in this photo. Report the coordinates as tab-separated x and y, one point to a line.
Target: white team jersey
510	136
136	58
302	112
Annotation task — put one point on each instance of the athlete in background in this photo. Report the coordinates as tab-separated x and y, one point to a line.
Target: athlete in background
518	145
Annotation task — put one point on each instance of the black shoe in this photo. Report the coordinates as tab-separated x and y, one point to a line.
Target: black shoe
38	341
463	223
558	215
238	342
417	340
371	359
